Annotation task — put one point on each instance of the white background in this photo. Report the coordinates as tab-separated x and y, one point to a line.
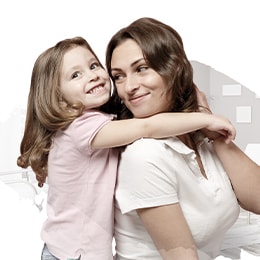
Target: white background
223	34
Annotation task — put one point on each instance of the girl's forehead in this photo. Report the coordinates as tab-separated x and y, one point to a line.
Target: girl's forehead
77	55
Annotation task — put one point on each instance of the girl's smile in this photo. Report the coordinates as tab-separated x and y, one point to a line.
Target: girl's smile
83	80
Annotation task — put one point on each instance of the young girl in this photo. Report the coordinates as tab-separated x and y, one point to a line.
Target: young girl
68	135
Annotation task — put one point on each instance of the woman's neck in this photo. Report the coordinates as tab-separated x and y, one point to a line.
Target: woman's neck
188	140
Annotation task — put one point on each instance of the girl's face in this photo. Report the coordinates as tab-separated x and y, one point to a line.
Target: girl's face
140	87
82	79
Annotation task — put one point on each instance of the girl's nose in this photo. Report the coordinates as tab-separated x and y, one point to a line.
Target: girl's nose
92	75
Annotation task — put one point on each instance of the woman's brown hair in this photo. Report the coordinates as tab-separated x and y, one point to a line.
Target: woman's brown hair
163	51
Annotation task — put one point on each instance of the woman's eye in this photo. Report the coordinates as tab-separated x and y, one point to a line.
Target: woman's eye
117	77
142	68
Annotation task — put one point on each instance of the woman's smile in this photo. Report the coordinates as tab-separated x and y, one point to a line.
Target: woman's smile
140	87
137	99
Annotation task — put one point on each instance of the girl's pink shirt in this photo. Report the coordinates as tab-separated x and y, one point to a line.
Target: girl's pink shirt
81	181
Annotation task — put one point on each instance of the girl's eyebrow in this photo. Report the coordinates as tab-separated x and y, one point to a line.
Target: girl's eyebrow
131	65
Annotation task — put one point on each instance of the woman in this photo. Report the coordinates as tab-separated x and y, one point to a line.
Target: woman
174	199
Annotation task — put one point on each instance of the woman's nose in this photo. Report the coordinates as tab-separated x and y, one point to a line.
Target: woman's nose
131	84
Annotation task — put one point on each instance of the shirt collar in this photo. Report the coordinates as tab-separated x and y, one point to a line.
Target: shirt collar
177	145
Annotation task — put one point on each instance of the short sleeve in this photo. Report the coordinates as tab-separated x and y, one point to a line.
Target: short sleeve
84	128
145	178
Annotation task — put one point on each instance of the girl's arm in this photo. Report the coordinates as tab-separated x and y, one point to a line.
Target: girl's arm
122	132
169	232
243	173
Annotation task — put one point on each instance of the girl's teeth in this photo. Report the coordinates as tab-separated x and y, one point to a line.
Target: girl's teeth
95	90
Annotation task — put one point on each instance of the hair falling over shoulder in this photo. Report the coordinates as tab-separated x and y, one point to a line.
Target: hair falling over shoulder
34	148
46	113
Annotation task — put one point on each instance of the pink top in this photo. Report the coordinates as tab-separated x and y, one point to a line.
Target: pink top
81	192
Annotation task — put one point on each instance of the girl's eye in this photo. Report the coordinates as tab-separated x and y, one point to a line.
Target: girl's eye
94	65
75	75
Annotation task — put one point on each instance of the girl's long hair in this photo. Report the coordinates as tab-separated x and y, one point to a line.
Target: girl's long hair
46	110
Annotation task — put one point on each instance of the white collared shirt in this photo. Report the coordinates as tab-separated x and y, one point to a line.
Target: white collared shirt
160	172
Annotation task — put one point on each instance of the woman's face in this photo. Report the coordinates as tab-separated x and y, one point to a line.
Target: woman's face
140	87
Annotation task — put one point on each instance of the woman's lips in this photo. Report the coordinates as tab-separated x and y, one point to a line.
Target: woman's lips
137	98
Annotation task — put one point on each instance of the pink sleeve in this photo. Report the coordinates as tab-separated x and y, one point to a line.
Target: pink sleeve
86	127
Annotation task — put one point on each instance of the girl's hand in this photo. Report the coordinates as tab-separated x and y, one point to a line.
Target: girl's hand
220	126
212	132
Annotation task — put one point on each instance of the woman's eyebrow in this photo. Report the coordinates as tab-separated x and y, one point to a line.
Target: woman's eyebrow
131	65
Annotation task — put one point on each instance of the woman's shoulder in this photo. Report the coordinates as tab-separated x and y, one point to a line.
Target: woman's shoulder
145	149
146	143
148	151
152	145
